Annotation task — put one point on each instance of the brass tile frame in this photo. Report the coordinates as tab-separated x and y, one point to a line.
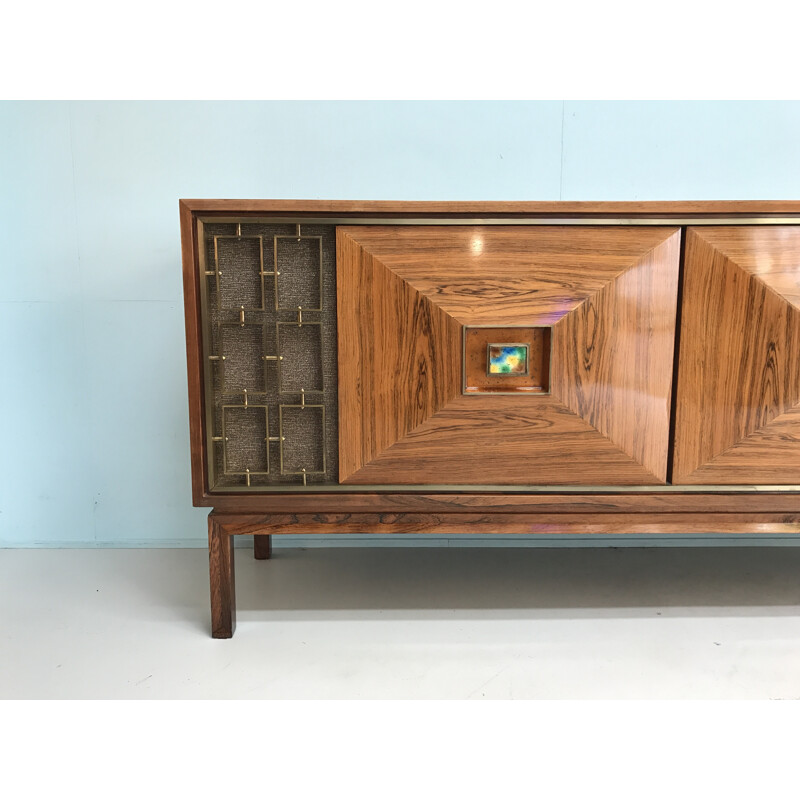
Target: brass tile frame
248	473
276	272
304	472
297	324
222	357
218	275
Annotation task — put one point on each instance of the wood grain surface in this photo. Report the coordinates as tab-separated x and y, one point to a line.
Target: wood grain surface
612	294
738	401
399	357
506	275
506	440
194	353
635	502
485	524
613	357
222	579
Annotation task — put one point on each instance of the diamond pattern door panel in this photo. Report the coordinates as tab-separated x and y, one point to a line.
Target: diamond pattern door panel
738	406
582	322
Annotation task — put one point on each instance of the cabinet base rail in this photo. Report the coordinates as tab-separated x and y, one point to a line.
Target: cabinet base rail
222	527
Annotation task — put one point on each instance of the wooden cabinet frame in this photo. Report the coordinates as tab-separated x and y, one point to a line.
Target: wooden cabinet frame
700	509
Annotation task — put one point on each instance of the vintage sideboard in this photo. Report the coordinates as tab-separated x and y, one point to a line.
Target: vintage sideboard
490	367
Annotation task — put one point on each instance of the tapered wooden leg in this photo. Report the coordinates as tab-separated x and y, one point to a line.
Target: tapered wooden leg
223	581
262	546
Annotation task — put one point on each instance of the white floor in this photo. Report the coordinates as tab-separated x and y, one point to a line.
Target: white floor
405	623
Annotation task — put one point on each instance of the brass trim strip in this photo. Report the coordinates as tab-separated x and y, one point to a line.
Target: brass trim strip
366	220
208	365
539	489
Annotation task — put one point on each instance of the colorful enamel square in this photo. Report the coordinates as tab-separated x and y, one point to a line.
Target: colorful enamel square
508	359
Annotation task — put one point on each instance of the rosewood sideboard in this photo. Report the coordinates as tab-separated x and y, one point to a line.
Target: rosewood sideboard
477	367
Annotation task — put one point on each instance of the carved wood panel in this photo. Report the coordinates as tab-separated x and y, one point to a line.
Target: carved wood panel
405	294
738	393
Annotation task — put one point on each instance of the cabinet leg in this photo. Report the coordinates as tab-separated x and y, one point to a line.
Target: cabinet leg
223	581
262	546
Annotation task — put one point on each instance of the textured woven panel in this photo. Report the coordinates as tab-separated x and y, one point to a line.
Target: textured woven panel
309	352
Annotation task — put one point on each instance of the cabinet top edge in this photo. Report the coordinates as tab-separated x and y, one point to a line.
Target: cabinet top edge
472	207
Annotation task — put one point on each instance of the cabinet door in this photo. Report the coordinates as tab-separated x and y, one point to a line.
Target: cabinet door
738	392
576	389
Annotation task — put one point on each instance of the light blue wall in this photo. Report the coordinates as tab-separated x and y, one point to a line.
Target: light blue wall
93	403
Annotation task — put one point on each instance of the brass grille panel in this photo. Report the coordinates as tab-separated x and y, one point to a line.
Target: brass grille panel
269	339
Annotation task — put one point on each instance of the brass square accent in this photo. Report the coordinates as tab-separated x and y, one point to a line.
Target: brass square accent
221	277
234	354
482	376
255	410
